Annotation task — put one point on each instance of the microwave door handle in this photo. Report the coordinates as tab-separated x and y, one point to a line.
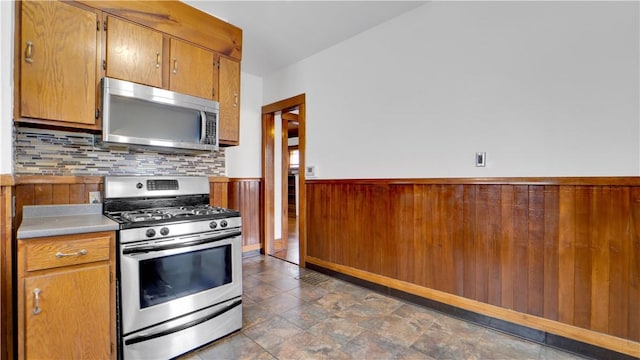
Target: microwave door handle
203	126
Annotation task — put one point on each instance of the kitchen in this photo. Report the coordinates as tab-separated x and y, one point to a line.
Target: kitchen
543	102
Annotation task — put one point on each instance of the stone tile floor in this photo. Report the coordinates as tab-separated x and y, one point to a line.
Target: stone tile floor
293	313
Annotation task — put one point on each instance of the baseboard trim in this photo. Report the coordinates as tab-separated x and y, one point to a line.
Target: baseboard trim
534	335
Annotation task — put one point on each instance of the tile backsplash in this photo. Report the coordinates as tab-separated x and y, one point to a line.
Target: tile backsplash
52	152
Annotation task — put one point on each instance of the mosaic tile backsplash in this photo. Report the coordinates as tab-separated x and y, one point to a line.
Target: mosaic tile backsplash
52	152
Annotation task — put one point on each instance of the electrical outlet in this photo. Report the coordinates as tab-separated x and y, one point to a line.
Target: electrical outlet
94	197
481	159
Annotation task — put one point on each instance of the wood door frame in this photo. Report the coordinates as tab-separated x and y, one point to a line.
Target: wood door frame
284	173
268	173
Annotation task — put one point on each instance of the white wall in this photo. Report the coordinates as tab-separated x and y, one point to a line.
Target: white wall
6	86
546	89
245	161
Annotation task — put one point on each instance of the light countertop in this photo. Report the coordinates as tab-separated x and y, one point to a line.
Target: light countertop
53	220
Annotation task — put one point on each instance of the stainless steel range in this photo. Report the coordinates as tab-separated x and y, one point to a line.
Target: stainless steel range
180	265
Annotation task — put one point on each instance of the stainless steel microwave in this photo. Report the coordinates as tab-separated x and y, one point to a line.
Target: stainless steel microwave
143	115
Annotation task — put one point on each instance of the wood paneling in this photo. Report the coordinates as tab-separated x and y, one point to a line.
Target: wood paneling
633	254
53	190
566	250
6	273
573	181
219	191
244	195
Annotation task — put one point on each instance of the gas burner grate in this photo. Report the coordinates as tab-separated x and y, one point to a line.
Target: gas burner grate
137	216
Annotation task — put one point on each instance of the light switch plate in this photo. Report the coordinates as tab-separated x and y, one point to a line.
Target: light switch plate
481	159
94	197
310	171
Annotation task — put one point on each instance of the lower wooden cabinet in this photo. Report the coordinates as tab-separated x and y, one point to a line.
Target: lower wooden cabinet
66	297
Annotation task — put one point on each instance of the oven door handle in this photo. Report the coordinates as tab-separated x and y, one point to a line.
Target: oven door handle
193	323
154	248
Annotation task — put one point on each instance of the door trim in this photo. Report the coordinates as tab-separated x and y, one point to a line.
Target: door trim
268	176
284	173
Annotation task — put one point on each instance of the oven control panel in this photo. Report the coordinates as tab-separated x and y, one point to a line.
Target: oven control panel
178	229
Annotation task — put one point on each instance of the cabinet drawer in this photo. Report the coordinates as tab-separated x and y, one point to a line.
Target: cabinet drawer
52	252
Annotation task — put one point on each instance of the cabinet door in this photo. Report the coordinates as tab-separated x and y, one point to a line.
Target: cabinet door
216	77
58	54
229	84
134	52
191	70
73	321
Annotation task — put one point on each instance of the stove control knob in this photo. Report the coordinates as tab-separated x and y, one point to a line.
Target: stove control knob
223	223
150	233
213	224
139	186
164	231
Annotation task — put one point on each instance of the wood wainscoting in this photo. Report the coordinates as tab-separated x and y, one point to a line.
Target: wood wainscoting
6	273
244	195
53	190
219	191
560	255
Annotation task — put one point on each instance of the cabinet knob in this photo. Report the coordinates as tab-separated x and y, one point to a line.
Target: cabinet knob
36	301
28	52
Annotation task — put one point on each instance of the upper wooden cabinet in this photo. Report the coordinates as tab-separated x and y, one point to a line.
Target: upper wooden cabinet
179	20
191	69
136	53
66	48
58	48
133	52
229	98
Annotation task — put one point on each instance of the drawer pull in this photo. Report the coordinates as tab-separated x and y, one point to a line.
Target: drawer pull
79	253
36	308
28	57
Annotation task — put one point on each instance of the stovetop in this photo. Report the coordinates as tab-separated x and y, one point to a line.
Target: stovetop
180	212
138	201
156	216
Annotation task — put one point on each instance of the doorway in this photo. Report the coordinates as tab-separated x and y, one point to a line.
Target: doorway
287	246
283	195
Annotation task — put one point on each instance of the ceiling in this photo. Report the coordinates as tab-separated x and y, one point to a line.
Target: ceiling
277	34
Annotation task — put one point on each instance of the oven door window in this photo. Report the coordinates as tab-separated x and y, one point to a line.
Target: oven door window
171	277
